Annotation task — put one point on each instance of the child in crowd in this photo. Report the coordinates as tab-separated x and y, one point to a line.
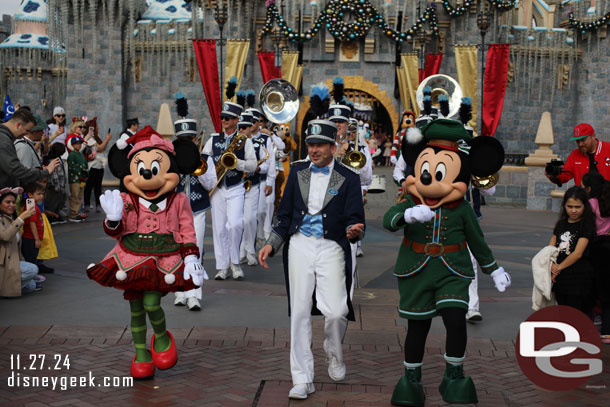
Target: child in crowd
572	275
55	194
77	176
33	228
48	249
387	150
598	190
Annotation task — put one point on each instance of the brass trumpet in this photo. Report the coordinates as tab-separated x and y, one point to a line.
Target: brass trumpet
353	157
485	182
203	166
248	183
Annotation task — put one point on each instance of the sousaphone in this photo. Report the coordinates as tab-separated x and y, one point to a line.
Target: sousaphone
441	85
279	100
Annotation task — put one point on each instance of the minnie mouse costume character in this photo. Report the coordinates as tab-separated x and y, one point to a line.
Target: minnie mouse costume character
434	268
156	251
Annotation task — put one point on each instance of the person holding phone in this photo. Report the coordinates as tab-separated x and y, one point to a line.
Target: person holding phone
96	165
57	129
33	228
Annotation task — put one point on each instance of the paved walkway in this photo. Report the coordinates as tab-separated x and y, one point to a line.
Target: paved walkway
235	352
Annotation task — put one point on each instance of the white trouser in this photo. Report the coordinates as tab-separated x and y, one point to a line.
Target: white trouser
250	214
227	224
473	288
265	213
199	224
315	264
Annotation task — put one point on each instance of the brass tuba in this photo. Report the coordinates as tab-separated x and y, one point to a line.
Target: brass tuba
353	157
441	85
279	100
228	159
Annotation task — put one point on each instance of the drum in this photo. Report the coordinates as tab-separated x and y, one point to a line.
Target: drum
378	184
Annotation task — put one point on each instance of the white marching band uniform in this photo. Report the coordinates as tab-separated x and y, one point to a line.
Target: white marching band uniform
228	208
265	215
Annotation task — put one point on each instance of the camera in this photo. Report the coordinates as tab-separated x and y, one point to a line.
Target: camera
554	168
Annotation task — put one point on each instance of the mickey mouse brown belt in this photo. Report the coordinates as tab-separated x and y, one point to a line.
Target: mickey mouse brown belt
434	249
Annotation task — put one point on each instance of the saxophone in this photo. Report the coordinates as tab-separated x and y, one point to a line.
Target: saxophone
228	159
248	183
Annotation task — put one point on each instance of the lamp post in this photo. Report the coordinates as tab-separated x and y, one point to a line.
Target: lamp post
220	16
483	22
276	36
421	39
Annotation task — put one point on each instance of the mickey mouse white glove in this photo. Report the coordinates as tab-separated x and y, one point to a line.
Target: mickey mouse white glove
418	213
393	159
194	269
501	279
112	204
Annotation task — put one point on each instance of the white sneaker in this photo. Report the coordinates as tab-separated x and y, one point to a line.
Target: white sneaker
222	274
243	260
301	391
336	368
359	252
238	273
473	316
180	301
193	304
252	260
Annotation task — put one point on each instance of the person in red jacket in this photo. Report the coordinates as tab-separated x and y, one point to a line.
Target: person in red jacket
591	155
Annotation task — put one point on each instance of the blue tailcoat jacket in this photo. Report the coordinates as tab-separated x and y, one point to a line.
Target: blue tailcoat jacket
342	208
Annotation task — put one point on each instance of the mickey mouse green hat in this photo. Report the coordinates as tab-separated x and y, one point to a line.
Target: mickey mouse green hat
444	129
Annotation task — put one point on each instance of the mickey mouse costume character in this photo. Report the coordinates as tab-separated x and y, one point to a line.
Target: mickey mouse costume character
434	268
156	252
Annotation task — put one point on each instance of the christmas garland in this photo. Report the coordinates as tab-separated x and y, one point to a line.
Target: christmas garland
332	18
503	5
457	11
585	27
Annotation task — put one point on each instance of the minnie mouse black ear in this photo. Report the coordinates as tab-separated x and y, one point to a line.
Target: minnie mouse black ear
187	156
118	163
486	156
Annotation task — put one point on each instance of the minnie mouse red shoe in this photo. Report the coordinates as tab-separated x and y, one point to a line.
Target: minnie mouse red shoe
166	359
142	370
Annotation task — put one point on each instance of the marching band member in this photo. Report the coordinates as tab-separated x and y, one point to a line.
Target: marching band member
196	187
227	198
320	213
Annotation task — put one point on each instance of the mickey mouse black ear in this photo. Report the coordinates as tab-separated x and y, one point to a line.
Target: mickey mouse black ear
187	156
118	163
486	156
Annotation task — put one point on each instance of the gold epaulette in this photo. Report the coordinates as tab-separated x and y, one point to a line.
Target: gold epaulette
294	163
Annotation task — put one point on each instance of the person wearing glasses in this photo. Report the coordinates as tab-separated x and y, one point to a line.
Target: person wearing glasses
592	155
57	129
228	198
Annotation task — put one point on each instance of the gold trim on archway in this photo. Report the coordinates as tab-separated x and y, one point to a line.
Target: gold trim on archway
356	83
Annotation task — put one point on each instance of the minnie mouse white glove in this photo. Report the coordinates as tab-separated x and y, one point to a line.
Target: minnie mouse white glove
419	213
194	269
393	159
112	204
501	279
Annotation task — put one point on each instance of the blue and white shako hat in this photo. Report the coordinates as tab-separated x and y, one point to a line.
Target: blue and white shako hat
321	131
185	128
256	114
245	120
232	109
339	113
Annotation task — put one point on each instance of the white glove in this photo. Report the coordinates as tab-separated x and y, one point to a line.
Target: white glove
418	213
393	159
488	192
501	279
112	204
193	268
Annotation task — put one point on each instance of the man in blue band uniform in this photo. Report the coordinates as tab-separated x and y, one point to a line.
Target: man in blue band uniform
319	215
228	198
196	188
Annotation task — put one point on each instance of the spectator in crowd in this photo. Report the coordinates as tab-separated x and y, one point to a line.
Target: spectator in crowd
598	190
77	175
96	166
57	129
572	275
33	229
16	276
28	147
591	155
56	192
12	172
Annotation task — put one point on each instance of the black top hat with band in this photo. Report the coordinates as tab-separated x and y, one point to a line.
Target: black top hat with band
321	131
339	113
184	127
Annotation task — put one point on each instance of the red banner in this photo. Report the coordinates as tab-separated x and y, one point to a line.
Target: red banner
433	65
205	52
494	87
269	71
